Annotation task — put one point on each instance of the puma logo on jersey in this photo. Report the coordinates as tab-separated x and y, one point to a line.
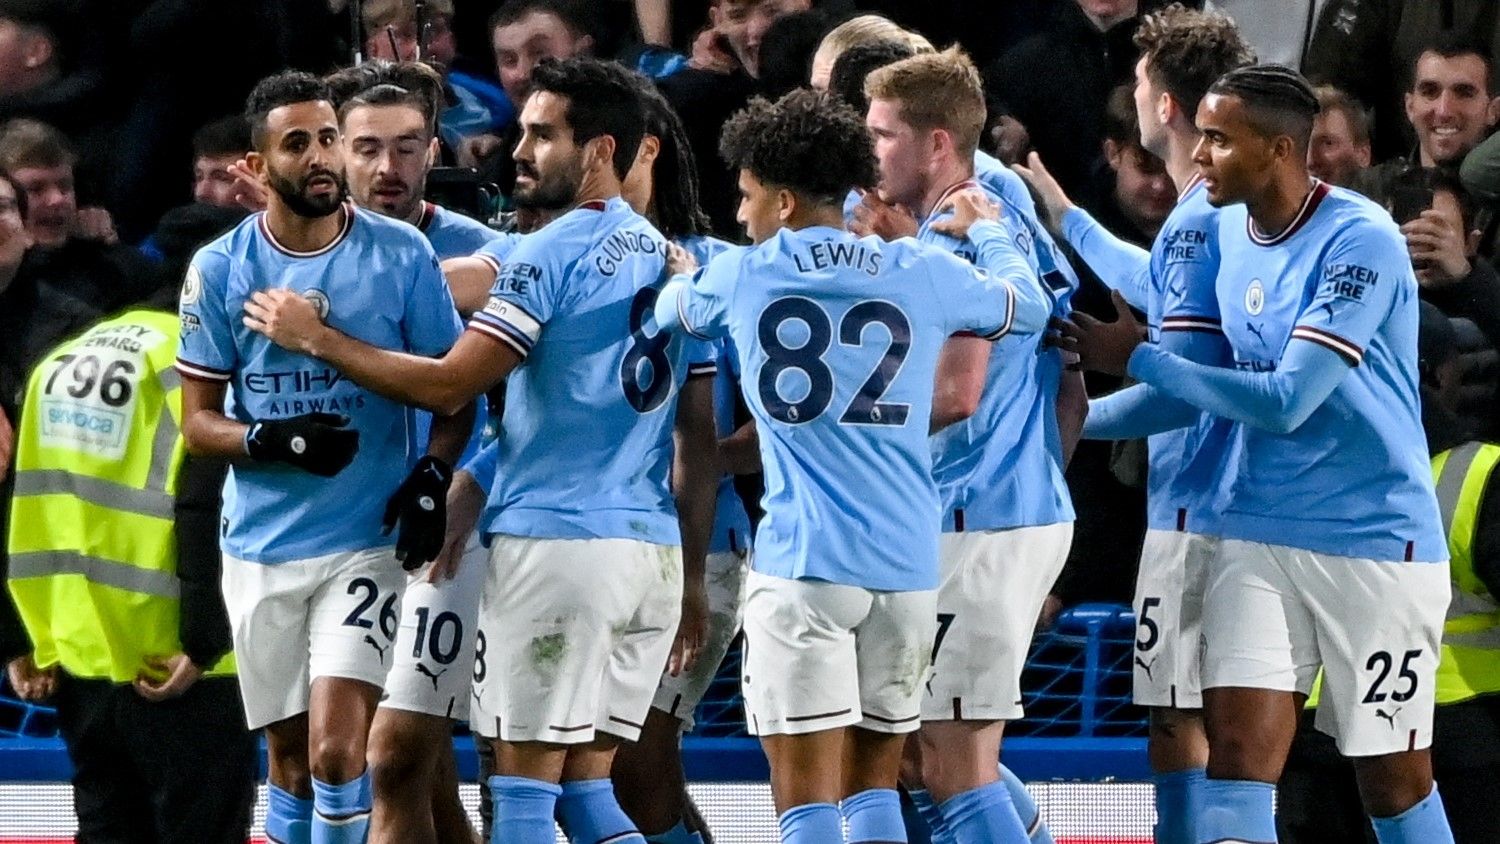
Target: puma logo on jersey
423	670
1391	717
370	640
1147	666
1256	330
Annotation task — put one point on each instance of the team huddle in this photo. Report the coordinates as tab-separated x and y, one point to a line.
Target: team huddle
566	567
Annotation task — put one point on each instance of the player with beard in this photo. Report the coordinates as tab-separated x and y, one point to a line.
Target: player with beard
309	567
387	113
585	584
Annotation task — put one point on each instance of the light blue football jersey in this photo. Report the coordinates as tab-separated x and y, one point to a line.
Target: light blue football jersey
586	439
451	234
378	282
838	340
1354	479
731	522
497	251
995	177
1002	468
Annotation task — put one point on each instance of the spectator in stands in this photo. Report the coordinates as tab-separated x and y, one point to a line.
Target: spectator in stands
1340	145
478	105
1056	85
1370	48
847	80
42	75
1143	193
1452	103
216	147
523	33
855	32
787	51
42	161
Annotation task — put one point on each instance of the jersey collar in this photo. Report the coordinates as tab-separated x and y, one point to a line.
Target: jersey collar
963	184
344	230
1310	205
1192	184
429	213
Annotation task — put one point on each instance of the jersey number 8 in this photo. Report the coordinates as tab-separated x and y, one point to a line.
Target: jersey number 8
865	408
646	372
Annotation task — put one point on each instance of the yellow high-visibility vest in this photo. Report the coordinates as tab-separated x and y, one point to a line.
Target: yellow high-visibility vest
93	551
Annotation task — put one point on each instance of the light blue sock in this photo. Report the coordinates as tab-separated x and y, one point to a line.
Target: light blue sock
1179	802
874	815
812	823
1237	810
523	810
591	815
288	818
937	828
341	813
678	834
1026	808
1424	823
984	815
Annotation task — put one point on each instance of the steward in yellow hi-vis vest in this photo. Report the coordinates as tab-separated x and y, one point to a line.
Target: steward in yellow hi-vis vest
113	565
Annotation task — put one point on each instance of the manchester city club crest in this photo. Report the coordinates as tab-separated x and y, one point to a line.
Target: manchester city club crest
319	300
1255	298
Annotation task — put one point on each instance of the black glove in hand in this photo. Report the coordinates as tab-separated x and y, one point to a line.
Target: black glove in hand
421	506
316	442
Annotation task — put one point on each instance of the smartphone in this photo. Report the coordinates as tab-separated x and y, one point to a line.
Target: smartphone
1411	194
459	189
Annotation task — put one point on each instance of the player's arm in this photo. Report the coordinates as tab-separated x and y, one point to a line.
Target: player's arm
205	428
962	365
203	627
695	480
470	279
976	218
739	453
1072	411
1142	410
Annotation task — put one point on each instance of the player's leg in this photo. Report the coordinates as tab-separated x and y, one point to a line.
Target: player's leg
1379	682
449	818
801	682
427	689
893	658
269	624
648	772
1259	661
1168	609
353	620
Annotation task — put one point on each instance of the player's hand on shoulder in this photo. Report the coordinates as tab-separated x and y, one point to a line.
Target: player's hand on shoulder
31	683
680	261
969	206
692	630
286	318
420	508
177	674
875	216
465	504
1055	202
320	443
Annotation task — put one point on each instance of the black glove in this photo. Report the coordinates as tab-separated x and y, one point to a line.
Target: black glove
421	505
316	442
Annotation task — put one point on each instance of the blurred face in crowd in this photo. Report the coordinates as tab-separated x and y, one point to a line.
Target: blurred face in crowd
549	165
388	150
52	205
1446	204
1147	105
303	158
1108	12
1143	189
1333	155
212	182
640	183
743	25
14	239
902	153
521	45
27	58
440	45
1236	160
1450	106
761	209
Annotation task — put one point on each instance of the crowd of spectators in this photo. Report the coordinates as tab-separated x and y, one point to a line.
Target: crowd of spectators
120	137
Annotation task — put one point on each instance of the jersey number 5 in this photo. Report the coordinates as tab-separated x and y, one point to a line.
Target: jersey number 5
865	408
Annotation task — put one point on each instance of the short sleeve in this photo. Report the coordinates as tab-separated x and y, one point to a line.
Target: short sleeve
702	357
700	305
431	322
972	299
526	293
498	250
1363	275
1189	270
207	350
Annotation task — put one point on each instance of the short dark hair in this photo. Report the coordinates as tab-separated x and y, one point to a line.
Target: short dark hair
577	16
273	92
603	99
225	136
786	51
1279	100
1187	51
1451	44
675	175
806	142
847	78
1121	122
1447	179
381	82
